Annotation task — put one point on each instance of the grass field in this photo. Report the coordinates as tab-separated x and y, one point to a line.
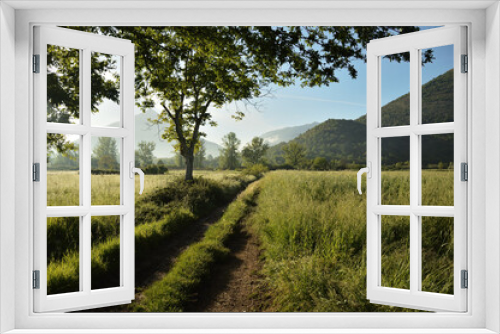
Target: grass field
160	213
63	186
311	225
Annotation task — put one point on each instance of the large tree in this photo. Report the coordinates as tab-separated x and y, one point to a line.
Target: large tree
229	156
186	70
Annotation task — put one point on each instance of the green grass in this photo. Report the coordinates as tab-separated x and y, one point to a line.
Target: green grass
181	204
181	283
312	226
63	186
63	232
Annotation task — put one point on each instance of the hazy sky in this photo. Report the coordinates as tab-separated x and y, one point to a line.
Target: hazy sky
294	105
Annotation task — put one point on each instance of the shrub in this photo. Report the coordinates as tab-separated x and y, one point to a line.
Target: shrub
257	170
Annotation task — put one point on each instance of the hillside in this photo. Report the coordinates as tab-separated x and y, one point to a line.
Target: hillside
345	140
286	134
437	104
146	131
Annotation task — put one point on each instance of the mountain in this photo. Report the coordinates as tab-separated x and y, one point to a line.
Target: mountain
345	140
286	134
334	139
437	104
145	131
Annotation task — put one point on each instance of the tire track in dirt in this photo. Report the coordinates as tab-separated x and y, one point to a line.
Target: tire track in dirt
235	284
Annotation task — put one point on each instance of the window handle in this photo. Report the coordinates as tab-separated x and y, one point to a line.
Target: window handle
139	171
368	171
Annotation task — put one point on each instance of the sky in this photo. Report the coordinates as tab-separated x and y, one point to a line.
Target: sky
294	105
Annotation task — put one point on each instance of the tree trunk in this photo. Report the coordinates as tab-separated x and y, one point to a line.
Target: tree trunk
189	168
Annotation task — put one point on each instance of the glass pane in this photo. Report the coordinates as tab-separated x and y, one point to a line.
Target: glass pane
63	84
437	170
395	90
437	85
106	70
105	188
105	252
63	255
396	252
63	166
395	171
437	254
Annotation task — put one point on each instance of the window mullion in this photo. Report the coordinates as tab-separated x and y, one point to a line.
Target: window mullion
85	174
415	244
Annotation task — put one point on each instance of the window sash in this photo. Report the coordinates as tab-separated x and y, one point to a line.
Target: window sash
87	43
413	43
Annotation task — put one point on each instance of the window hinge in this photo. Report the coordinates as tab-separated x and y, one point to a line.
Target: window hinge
465	279
36	63
36	279
465	64
464	171
36	172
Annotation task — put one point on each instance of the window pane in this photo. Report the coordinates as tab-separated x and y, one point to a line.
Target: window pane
395	171
63	84
396	252
437	85
395	89
106	72
63	166
437	254
437	170
105	252
105	188
63	255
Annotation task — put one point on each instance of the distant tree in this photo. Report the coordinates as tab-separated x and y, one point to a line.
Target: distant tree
320	163
212	162
199	156
440	165
229	156
294	154
254	152
160	162
106	153
450	166
144	155
179	160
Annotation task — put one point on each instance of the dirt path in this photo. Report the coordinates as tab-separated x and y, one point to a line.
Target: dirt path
235	284
163	258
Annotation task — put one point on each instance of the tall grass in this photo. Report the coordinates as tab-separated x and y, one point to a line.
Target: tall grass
312	226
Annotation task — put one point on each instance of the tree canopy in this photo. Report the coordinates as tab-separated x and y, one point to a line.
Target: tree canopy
187	70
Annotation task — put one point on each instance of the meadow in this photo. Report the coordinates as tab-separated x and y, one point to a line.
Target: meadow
311	226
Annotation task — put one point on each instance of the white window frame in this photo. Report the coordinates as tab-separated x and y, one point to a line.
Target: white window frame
413	43
484	50
85	43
